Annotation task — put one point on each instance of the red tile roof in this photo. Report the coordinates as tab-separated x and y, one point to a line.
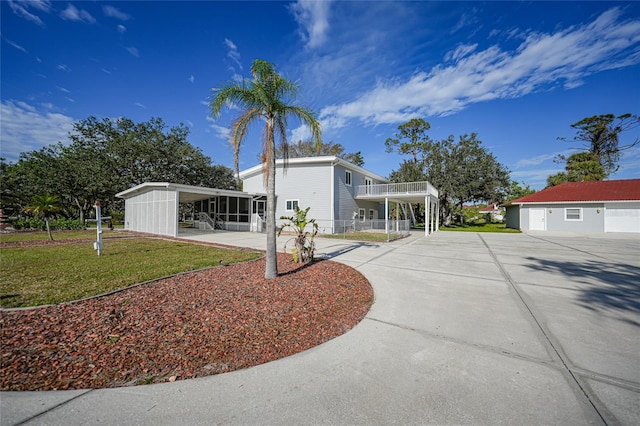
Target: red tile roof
489	208
605	190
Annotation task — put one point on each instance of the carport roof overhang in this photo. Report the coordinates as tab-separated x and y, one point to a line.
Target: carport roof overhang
186	193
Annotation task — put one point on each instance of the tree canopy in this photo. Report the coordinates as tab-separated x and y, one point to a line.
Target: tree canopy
105	157
580	167
312	149
600	135
411	138
463	171
516	190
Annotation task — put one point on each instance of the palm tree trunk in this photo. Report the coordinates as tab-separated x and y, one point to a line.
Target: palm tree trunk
271	269
46	221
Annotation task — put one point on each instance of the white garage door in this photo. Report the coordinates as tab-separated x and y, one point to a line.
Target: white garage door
622	218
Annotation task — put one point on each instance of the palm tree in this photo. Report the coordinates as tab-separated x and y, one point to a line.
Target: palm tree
45	206
268	96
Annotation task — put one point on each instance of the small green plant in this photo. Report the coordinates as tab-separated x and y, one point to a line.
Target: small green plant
304	245
46	207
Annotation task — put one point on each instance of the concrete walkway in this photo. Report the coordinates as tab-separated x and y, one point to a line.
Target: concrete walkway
466	328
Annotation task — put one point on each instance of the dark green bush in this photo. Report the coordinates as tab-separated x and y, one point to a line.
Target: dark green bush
57	224
36	224
68	225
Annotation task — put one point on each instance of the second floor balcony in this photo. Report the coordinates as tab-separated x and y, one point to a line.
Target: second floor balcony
396	190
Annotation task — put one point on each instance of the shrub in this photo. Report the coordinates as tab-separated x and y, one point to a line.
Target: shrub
37	224
304	246
33	224
68	225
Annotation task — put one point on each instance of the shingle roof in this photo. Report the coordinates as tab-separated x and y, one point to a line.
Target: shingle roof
606	190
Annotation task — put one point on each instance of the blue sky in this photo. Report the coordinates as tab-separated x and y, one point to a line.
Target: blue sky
517	73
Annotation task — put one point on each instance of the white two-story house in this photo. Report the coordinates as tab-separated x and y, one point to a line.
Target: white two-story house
342	197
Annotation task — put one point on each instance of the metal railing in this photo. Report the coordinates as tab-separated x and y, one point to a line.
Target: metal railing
390	189
204	217
393	228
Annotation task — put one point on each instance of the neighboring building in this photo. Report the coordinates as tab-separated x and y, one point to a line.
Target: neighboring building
493	210
341	197
594	206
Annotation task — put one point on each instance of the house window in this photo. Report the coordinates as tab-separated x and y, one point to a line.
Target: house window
347	178
573	214
371	214
367	183
292	204
361	214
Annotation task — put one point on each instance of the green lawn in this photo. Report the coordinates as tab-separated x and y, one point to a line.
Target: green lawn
57	235
49	274
484	227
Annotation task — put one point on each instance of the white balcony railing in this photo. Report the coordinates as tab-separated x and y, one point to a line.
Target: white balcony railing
391	189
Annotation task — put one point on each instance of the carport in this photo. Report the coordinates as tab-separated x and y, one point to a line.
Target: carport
153	207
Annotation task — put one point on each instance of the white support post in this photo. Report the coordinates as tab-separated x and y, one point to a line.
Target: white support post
433	220
413	216
437	214
427	215
386	216
98	244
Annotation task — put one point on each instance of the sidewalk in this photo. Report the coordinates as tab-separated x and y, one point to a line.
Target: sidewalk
465	329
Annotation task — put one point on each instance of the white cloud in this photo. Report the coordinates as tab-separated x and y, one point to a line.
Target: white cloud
539	159
63	90
63	67
301	133
233	52
16	45
467	19
629	163
72	13
138	104
121	29
26	128
21	8
313	21
220	131
112	12
470	76
191	78
536	178
133	51
460	52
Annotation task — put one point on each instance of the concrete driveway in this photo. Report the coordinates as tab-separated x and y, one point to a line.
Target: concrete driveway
466	328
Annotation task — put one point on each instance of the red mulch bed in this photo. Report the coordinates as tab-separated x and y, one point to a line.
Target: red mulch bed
191	325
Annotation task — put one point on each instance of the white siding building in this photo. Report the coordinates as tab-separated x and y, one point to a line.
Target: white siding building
342	197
